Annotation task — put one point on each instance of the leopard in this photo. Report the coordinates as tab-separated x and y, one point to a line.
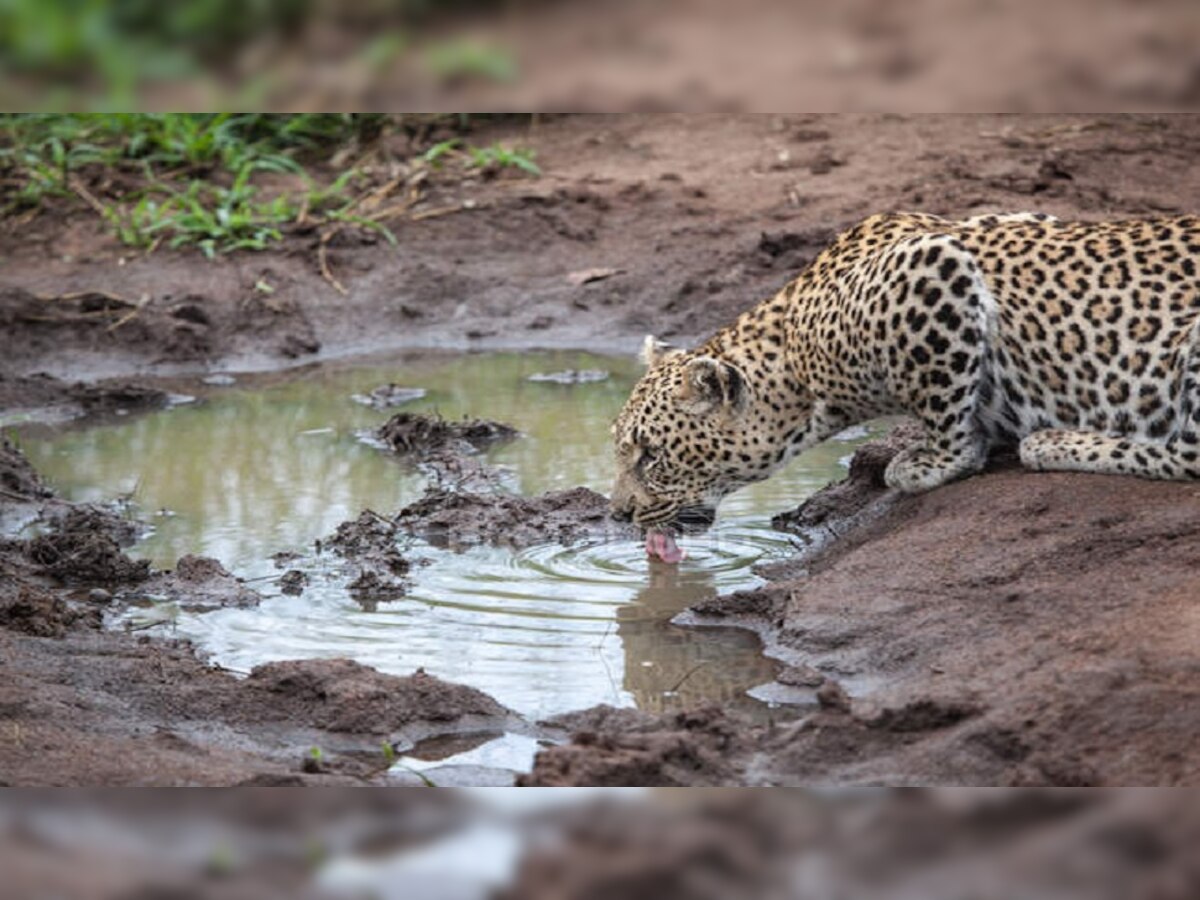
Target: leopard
1076	343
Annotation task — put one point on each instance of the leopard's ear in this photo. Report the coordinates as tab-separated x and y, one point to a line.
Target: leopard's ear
710	384
655	351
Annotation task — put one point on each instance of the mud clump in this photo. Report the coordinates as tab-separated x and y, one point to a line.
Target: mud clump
370	544
200	584
293	582
687	749
30	610
463	519
412	434
370	588
84	547
341	695
447	451
18	479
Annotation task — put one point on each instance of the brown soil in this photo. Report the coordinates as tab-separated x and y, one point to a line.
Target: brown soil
700	215
1014	628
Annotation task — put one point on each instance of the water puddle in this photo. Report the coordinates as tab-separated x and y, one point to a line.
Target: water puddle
256	467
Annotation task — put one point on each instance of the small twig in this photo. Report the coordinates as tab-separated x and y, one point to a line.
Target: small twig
302	215
14	496
323	262
88	197
371	199
132	314
389	212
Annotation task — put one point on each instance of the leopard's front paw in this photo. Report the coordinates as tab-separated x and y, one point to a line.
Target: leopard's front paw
917	469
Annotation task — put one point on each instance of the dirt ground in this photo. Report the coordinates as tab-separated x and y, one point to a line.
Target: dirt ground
1014	628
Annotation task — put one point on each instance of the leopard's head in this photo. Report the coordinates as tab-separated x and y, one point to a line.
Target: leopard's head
691	432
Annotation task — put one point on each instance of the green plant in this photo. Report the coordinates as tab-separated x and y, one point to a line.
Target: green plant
389	753
500	156
315	754
433	156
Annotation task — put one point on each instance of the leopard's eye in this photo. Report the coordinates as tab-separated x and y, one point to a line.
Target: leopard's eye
647	457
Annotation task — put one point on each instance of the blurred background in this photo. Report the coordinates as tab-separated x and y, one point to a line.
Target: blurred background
603	843
756	55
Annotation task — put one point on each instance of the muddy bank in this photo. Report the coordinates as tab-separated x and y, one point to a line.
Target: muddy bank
1010	629
691	218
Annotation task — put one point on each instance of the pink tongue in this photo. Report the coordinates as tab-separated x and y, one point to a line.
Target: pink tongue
661	544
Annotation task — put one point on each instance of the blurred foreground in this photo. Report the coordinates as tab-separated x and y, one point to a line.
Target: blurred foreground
453	845
952	55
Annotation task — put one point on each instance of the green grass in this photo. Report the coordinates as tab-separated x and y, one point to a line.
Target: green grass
195	177
503	157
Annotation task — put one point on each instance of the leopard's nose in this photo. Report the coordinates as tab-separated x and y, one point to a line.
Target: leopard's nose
621	513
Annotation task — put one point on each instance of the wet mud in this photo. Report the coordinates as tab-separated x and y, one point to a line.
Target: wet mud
425	437
42	397
460	519
447	451
18	479
375	563
84	546
198	584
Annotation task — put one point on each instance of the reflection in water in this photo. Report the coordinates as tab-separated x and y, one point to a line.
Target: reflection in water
251	472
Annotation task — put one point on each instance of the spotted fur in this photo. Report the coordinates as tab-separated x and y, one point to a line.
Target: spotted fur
1078	342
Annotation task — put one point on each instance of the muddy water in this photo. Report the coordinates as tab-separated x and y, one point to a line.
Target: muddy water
254	469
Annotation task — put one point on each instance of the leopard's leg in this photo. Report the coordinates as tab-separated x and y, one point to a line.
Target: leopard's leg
937	318
1063	450
1177	457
